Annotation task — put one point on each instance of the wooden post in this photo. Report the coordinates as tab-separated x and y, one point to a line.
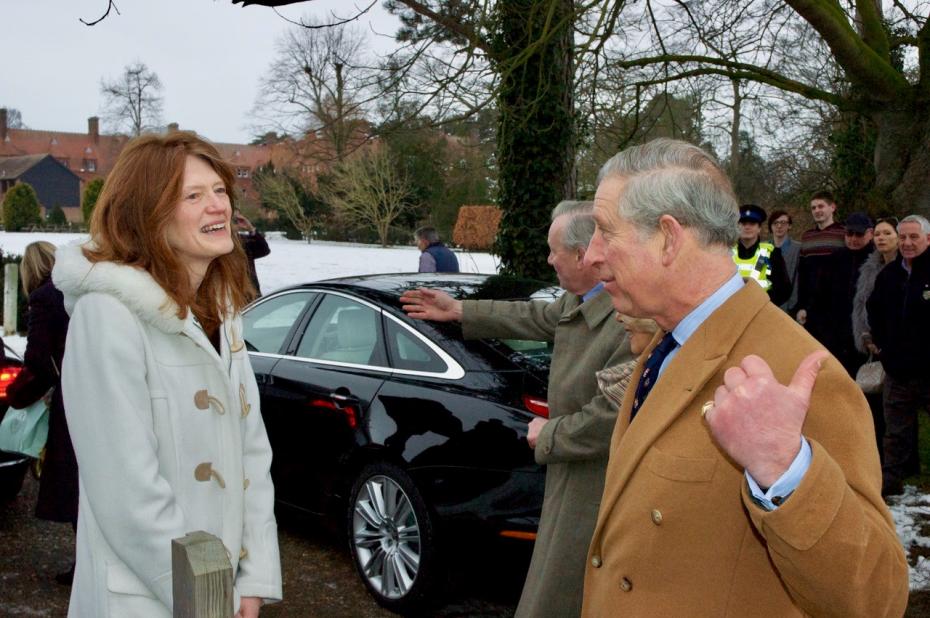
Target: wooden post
10	297
201	574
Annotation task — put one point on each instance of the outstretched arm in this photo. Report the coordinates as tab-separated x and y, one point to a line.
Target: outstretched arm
427	304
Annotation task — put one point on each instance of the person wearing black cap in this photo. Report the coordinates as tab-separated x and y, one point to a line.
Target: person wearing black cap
757	260
831	304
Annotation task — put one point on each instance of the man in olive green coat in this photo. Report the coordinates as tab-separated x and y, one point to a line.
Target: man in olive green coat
573	443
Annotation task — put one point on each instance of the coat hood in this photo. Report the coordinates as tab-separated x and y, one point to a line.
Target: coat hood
76	276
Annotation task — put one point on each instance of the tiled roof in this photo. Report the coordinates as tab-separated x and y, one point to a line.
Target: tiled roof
14	167
71	147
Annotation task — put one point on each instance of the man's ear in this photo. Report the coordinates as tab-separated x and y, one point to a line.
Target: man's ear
673	238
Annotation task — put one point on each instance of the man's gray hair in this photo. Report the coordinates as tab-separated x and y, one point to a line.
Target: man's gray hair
427	233
672	177
924	224
580	227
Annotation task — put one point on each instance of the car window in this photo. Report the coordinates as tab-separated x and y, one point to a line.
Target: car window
526	352
344	331
266	325
407	351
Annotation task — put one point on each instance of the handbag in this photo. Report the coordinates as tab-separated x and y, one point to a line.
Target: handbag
24	430
871	377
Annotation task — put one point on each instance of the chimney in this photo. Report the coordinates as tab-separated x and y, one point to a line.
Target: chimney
2	124
93	128
173	126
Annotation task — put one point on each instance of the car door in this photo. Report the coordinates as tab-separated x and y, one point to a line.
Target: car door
268	326
322	389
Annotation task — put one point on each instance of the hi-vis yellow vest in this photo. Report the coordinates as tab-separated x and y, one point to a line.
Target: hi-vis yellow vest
758	266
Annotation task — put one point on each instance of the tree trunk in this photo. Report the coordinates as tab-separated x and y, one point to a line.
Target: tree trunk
536	131
734	129
902	159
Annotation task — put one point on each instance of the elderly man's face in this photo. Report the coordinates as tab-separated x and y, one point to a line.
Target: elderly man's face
573	275
858	240
911	240
628	265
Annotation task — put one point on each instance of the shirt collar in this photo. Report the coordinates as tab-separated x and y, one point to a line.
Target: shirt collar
691	322
592	292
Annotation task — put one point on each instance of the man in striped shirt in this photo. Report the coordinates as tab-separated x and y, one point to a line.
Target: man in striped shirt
817	244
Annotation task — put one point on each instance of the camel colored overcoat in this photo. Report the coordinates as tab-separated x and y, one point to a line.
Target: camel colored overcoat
677	533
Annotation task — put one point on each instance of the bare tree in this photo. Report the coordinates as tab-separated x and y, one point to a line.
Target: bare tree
278	192
14	118
133	101
369	189
317	84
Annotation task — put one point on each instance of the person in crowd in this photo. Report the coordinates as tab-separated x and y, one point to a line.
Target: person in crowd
613	381
757	260
899	322
254	245
45	347
435	257
832	301
885	238
817	244
780	228
573	443
160	396
742	479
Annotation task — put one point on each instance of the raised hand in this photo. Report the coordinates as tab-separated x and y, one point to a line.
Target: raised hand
427	304
757	420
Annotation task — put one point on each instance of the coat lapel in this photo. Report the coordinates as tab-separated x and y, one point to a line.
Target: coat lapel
695	364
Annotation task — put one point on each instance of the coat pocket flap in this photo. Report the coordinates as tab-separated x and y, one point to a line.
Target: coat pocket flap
686	469
120	579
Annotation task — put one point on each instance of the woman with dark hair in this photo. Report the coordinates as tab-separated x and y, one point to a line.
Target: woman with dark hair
45	346
885	237
160	396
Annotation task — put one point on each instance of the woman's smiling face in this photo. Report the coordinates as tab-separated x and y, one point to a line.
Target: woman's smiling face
199	231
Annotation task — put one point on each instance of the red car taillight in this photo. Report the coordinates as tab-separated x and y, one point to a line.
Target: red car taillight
7	375
539	407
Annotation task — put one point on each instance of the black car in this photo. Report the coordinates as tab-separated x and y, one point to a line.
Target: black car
13	466
407	432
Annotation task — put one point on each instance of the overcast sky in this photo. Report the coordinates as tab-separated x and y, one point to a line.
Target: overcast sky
208	54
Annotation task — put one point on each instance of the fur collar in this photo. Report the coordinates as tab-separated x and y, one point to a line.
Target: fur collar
75	276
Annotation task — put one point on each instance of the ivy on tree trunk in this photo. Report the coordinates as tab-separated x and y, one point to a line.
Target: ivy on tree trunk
536	130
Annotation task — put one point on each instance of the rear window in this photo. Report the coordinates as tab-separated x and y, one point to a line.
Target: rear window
530	354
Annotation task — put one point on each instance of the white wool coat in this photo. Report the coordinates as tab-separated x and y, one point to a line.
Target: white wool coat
169	440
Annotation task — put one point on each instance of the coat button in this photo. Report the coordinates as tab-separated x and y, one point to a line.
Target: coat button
204	472
245	484
596	562
656	516
243	401
203	399
626	585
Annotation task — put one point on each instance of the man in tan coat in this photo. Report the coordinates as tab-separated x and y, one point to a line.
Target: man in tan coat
747	483
573	442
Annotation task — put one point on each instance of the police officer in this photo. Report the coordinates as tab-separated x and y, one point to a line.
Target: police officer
757	260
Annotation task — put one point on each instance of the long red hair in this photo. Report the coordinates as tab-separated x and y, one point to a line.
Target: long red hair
130	221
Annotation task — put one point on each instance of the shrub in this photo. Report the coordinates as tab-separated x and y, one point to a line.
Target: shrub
476	227
56	217
91	193
21	208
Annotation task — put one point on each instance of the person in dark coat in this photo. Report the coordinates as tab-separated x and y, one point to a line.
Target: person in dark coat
254	245
45	347
436	257
831	303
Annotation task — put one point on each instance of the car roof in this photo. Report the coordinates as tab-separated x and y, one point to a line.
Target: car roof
387	288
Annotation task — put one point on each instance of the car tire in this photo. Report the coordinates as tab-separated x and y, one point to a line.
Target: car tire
392	538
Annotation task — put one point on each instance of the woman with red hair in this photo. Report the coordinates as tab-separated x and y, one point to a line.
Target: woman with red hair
159	394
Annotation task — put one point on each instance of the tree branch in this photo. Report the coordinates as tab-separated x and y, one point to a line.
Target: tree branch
862	64
110	5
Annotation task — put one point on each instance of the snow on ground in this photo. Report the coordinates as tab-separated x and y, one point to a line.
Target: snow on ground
292	262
